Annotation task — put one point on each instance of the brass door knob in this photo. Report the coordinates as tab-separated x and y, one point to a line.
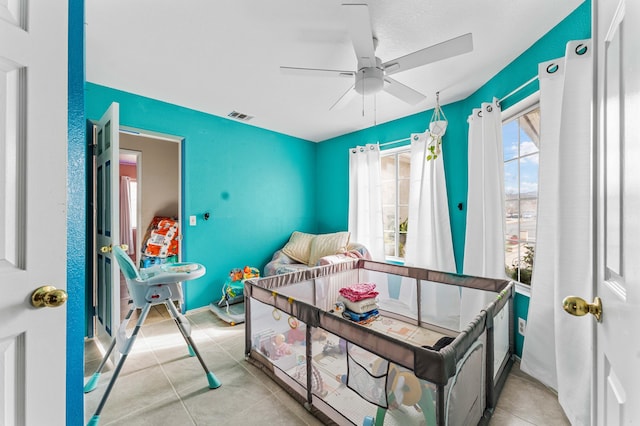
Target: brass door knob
578	306
48	296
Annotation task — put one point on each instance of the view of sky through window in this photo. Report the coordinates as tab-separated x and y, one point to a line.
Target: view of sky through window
521	138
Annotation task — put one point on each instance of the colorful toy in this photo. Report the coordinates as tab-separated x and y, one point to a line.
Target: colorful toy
281	347
233	288
338	308
233	294
250	272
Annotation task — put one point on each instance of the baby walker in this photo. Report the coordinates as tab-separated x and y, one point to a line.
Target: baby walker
148	287
230	308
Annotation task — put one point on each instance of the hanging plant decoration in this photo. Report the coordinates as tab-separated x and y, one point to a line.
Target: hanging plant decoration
437	129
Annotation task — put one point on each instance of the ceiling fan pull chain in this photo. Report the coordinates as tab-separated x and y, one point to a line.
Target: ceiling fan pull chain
375	110
363	72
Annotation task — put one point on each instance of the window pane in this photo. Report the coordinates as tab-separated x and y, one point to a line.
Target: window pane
389	244
511	256
389	218
388	189
529	132
403	192
521	266
521	139
133	207
512	216
404	213
396	169
388	167
511	187
526	269
529	176
510	140
528	219
404	164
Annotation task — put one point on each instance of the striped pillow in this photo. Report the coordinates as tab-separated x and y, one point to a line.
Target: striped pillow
299	246
328	244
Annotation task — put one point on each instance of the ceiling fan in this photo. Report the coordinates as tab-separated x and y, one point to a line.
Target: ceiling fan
372	74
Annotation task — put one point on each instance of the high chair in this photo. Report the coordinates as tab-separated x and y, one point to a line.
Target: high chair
148	287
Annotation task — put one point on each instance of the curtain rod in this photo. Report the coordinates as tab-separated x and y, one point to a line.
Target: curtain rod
519	88
392	142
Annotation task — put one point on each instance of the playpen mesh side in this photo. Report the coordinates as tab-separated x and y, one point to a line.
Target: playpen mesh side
465	393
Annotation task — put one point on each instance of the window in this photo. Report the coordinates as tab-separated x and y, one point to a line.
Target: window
133	203
395	174
520	138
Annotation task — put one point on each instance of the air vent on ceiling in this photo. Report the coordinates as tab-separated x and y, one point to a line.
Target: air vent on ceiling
240	116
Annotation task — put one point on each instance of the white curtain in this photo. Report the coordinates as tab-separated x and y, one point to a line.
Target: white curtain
558	348
429	244
484	240
365	200
126	231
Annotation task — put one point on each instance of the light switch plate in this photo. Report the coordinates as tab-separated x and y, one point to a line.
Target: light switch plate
192	220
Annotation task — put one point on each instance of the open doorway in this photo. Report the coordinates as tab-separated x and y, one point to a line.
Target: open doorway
150	171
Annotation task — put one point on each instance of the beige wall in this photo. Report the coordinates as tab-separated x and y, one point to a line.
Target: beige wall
160	180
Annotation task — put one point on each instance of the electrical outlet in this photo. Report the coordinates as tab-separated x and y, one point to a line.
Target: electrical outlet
192	221
522	326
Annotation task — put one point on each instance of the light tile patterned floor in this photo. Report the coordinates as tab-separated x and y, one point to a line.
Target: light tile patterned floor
161	385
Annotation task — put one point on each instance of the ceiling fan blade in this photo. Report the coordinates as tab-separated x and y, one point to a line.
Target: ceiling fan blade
316	72
402	92
447	49
359	22
344	99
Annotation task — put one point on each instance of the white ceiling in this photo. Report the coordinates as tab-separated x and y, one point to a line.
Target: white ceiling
217	56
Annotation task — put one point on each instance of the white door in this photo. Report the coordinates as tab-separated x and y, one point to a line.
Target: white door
33	166
617	383
108	222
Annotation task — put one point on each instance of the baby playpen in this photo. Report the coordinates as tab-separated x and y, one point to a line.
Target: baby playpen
437	352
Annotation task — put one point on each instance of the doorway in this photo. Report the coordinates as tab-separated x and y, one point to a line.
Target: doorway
150	171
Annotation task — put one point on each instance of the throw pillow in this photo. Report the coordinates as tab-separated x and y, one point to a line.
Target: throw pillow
328	244
299	246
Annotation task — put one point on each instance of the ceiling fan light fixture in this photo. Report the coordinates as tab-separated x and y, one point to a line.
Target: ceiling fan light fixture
369	81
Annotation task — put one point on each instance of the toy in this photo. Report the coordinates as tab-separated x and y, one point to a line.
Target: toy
281	348
233	288
296	335
338	308
250	272
318	335
233	294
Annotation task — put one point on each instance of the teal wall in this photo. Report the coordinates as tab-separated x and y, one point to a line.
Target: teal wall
257	185
520	310
76	217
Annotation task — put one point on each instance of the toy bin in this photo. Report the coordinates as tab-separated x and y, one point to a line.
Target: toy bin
436	352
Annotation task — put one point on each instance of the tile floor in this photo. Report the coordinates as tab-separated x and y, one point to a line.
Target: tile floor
161	385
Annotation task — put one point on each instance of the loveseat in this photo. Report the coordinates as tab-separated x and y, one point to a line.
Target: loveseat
304	251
